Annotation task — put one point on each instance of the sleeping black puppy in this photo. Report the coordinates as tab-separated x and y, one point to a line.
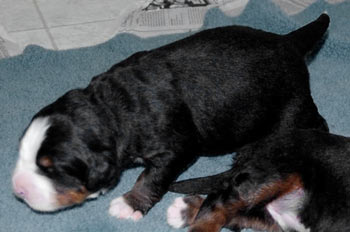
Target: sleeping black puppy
209	93
294	181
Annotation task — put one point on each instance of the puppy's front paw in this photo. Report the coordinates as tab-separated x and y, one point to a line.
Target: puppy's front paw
183	211
120	209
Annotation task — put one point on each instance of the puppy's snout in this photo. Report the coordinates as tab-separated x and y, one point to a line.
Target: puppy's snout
35	190
21	186
18	188
20	192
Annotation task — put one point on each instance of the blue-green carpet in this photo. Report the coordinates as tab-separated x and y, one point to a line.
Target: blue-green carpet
39	76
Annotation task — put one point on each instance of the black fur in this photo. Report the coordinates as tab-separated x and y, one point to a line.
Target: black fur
207	94
322	160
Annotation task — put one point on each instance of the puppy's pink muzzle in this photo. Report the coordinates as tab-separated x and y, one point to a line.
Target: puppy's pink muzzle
40	194
24	187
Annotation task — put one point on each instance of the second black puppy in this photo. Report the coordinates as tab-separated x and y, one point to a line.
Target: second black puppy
292	181
209	93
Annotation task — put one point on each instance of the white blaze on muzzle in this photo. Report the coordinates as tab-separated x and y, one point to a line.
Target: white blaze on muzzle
35	189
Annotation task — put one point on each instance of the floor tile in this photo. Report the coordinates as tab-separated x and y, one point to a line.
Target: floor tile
83	35
70	12
38	37
17	15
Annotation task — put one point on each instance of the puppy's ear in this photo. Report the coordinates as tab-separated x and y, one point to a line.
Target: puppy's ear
102	168
103	173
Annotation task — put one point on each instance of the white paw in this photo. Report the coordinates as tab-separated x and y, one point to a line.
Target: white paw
120	209
174	213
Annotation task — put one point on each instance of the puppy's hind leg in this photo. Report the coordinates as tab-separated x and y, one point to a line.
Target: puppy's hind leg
217	211
211	217
203	215
272	205
184	212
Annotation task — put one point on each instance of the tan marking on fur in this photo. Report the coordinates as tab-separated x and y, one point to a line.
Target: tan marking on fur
193	205
268	192
254	223
72	197
45	161
211	222
277	189
229	214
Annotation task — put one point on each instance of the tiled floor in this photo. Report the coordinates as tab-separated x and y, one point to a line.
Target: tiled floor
61	24
64	24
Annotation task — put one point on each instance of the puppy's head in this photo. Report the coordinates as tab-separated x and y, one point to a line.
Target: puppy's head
65	157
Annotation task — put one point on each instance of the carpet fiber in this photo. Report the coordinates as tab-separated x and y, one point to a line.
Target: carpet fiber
38	76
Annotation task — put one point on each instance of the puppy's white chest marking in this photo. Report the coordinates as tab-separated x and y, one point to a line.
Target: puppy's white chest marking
285	210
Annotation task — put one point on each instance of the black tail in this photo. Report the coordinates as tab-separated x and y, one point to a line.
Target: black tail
306	37
202	185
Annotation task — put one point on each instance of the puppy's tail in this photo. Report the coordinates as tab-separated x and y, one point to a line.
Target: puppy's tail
202	185
306	37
